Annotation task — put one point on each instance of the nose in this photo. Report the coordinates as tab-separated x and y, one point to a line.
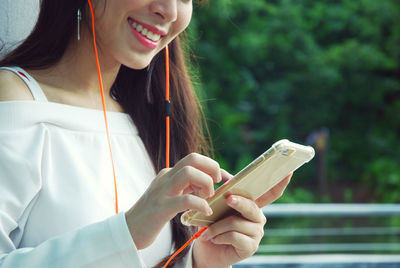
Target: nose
166	9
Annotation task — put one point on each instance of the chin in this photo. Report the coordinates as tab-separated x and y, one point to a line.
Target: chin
136	67
137	64
139	61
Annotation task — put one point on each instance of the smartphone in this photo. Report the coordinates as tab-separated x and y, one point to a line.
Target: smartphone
283	158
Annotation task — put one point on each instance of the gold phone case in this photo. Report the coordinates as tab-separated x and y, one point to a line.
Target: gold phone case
254	180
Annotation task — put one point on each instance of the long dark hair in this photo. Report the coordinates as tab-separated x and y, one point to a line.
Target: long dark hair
140	95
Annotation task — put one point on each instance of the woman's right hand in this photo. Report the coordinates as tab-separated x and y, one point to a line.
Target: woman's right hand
171	192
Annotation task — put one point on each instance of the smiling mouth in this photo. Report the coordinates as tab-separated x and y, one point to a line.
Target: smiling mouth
144	31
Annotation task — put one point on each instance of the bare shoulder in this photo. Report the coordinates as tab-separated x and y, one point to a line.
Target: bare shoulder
12	87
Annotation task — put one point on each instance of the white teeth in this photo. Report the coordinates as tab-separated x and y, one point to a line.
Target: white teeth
150	35
146	32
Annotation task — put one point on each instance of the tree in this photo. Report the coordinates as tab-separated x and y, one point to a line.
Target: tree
281	69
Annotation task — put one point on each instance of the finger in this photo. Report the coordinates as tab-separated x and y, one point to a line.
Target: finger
189	176
203	163
234	224
192	189
188	201
163	171
245	246
274	193
246	207
226	176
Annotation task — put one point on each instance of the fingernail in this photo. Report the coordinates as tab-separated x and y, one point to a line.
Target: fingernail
209	212
212	193
205	235
234	200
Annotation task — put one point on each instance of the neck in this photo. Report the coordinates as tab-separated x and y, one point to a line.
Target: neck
77	70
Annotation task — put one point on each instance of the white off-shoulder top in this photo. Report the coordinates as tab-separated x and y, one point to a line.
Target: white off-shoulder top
57	189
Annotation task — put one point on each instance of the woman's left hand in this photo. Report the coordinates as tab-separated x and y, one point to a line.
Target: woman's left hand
236	237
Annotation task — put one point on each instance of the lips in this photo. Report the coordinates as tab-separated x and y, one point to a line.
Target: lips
148	35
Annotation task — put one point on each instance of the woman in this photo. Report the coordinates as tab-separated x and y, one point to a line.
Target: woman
57	193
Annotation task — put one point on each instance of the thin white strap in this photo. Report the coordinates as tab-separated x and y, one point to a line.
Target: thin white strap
33	86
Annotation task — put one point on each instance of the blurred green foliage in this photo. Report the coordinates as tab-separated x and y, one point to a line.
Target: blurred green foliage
273	69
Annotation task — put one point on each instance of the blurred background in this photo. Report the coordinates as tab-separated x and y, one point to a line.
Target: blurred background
323	73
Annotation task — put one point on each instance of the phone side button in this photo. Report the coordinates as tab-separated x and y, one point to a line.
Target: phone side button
249	168
258	160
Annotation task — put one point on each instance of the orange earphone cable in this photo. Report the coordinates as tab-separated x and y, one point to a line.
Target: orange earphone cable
104	107
168	107
195	236
167	148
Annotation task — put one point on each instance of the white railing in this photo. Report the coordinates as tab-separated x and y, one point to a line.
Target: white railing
327	254
287	210
322	261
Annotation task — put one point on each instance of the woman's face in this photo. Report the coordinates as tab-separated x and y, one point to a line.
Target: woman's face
132	32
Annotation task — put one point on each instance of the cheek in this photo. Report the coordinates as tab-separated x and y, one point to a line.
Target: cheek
184	17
